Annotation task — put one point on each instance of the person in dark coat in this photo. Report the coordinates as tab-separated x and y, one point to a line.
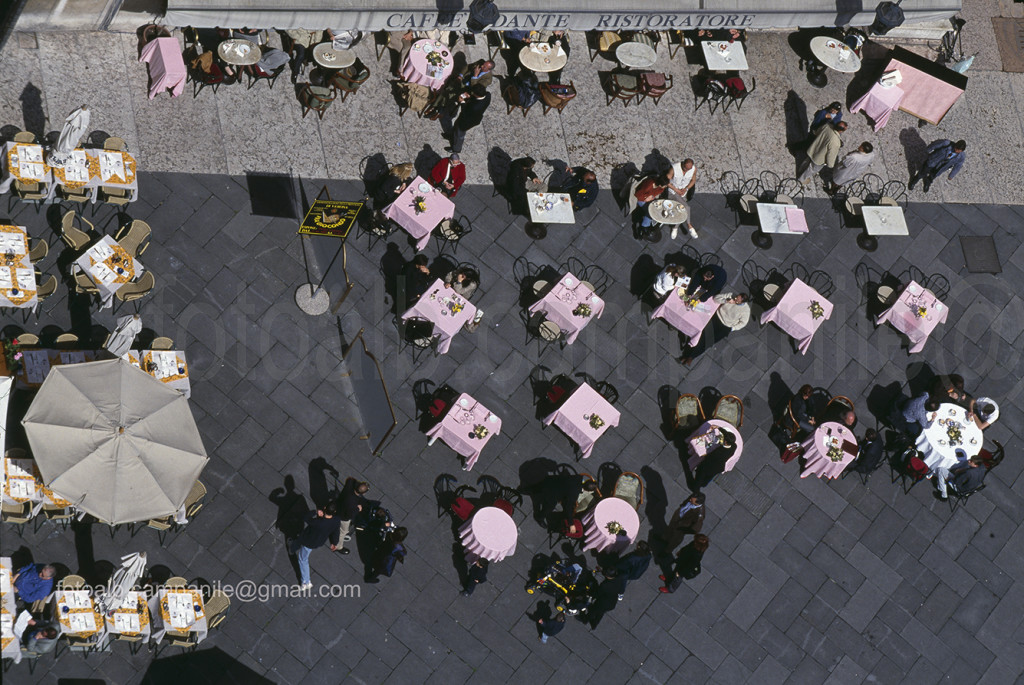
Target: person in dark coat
322	526
471	114
800	405
686	520
477	574
417	278
350	504
390	552
581	187
687	563
715	460
871	453
549	627
608	594
708	283
633	565
564	489
522	179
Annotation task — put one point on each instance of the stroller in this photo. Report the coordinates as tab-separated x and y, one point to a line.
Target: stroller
570	584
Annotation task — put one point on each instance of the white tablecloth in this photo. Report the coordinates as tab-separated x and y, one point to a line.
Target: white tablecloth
935	443
183	617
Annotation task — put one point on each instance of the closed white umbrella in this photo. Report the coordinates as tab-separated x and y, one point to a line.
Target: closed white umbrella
122	581
75	126
120	339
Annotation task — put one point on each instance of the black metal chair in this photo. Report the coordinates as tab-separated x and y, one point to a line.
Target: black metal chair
544	331
938	284
770	182
739	99
419	334
822	282
959	499
771	289
451	232
894	194
379	228
710	90
873	188
790	192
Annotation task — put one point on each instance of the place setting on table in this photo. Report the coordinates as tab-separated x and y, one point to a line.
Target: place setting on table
709	436
114	168
36	363
584	417
610	526
467	427
75	172
429	63
131	617
109	266
685	312
799	313
167	366
17	275
446	309
330	57
668	211
951	436
723	55
77	614
543	57
828	450
835	54
419	209
24	162
178	609
915	313
9	644
21	481
571	304
239	52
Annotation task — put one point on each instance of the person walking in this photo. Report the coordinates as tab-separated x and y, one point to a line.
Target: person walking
608	594
474	104
477	574
633	565
321	525
350	504
824	150
686	520
851	167
390	552
942	155
687	564
549	627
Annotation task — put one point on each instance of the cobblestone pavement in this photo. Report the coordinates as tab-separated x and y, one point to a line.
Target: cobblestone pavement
805	581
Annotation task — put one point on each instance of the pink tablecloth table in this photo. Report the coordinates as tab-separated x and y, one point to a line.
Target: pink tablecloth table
420	226
793	314
595	525
878	103
491	534
816	450
436	305
561	301
166	66
903	318
689	322
926	97
458	425
703	438
574	416
417	70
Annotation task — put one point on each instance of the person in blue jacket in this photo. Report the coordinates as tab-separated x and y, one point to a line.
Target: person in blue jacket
943	155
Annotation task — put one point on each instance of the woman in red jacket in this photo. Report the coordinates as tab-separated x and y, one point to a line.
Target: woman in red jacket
650	189
448	175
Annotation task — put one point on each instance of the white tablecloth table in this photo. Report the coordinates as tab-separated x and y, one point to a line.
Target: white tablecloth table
76	614
543	57
168	366
24	161
436	305
935	443
417	69
17	274
793	315
458	427
595	525
560	212
561	301
732	58
816	448
11	647
421	225
903	315
37	362
490	534
179	614
835	54
690	322
113	169
708	436
97	262
574	417
131	617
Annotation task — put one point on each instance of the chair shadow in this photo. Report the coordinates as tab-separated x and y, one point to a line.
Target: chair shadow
426	159
920	376
655	163
882	401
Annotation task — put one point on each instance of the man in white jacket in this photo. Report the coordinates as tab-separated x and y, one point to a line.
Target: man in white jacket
851	167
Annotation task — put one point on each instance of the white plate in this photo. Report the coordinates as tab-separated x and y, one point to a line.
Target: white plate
242	49
423	187
568	281
463	402
492	418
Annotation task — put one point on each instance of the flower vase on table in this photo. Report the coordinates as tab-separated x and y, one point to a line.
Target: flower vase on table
816	310
594	420
419	204
479	432
615	528
582	310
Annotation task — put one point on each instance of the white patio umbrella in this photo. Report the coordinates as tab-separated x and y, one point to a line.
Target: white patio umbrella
75	126
114	441
122	581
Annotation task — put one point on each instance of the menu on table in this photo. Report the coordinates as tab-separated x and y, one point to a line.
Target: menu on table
180	609
166	363
126	622
111	164
82	623
5	580
11	242
77	599
36	364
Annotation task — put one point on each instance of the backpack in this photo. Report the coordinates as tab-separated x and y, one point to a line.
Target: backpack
528	91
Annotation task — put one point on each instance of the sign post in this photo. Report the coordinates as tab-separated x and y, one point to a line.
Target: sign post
331	218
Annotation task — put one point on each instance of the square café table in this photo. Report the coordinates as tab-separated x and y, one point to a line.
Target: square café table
904	318
690	322
560	303
458	426
77	614
24	162
175	609
131	618
816	448
731	58
436	305
420	226
167	366
98	262
773	217
879	103
17	275
574	416
560	213
793	313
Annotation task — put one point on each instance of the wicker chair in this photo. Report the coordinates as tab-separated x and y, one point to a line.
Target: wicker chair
39	251
84	284
195	499
66	341
629	487
62	514
26	340
114	143
316	98
347	81
134	237
604	43
134	291
624	87
117	197
74	238
216	609
176	582
72	582
729	409
162	343
29	192
689	413
551	100
45	289
79	195
24	137
412	96
17	514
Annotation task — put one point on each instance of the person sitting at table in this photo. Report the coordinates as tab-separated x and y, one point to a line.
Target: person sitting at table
851	167
40	636
271	59
516	40
555	39
417	278
564	489
916	411
733	313
829	114
965	477
730	35
870	453
344	38
480	72
251	35
800	406
298	43
33	582
649	190
522	179
395	181
683	182
581	186
670	278
448	175
714	462
984	411
687	564
463	280
840	414
709	282
951	388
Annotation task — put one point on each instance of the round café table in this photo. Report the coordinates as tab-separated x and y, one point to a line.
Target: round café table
490	534
702	439
835	54
670	212
816	446
937	446
417	69
595	525
543	57
636	55
328	57
239	52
